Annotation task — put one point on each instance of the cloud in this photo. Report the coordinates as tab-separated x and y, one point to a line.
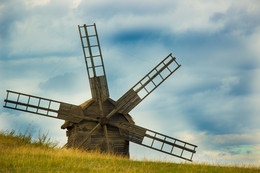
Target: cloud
229	149
60	82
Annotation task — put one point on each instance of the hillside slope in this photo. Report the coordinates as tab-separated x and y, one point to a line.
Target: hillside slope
20	154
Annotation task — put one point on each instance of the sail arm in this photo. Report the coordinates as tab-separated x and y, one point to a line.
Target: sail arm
45	107
33	104
156	141
147	84
94	61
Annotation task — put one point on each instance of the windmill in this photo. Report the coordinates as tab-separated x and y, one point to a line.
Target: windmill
102	123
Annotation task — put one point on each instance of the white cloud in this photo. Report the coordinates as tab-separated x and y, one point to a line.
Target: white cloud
230	149
32	4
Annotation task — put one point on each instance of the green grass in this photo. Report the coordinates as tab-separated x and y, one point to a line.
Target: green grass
20	153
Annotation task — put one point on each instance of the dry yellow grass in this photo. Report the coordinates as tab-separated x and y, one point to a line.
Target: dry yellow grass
21	155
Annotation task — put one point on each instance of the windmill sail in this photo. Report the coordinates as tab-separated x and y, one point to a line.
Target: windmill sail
157	141
95	68
147	84
94	61
43	106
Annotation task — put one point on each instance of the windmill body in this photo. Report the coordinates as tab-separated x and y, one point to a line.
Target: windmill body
102	123
77	131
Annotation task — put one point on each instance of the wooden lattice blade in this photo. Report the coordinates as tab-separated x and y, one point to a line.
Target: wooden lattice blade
147	84
94	61
43	106
70	112
156	141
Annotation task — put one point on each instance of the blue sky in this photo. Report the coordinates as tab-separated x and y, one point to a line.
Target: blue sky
212	100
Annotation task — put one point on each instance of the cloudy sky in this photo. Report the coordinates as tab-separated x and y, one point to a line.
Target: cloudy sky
213	100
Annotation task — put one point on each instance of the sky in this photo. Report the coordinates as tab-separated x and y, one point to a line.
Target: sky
212	100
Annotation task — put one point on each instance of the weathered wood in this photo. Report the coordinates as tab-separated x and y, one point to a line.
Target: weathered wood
66	111
97	141
102	87
128	101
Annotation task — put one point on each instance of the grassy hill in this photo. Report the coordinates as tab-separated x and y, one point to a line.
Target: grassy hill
19	153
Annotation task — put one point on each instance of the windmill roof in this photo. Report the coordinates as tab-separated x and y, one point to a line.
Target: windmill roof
88	103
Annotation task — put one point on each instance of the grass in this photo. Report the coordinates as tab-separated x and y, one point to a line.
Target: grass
20	153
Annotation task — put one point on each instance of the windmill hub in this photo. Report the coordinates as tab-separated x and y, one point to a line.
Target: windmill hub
102	123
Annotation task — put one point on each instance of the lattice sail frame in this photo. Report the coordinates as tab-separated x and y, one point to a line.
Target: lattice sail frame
148	84
43	106
32	104
94	61
157	141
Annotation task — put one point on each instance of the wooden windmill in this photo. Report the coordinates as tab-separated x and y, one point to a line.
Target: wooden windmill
102	123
